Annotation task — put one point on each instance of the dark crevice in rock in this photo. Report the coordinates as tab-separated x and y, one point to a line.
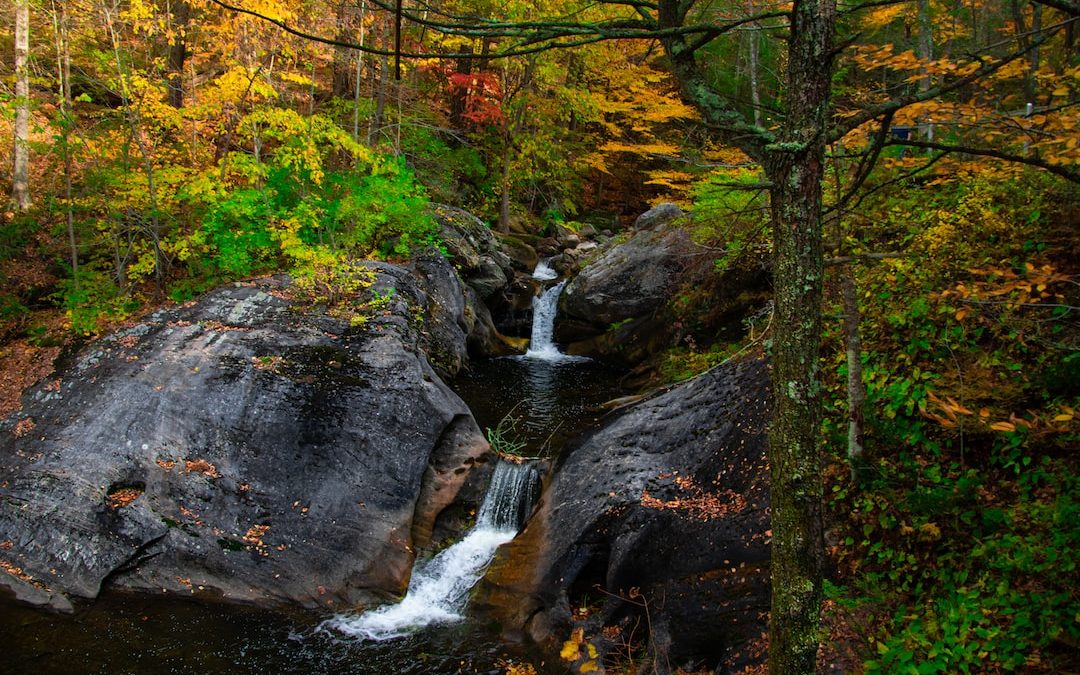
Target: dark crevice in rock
141	555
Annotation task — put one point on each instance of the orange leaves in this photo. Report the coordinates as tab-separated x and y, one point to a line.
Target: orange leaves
698	504
1008	288
121	497
202	466
883	16
24	426
482	95
947	413
255	533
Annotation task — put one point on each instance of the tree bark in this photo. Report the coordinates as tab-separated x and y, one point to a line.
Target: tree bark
375	128
178	53
342	65
20	174
856	389
504	186
63	70
926	54
795	165
754	37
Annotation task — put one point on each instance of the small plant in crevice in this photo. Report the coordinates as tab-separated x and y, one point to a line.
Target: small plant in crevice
505	439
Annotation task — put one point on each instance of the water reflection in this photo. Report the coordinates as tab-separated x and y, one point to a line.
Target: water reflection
554	400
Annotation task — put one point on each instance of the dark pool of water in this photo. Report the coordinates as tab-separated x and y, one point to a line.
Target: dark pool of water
121	633
553	400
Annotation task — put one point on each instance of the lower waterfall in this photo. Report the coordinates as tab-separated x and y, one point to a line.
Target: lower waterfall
439	588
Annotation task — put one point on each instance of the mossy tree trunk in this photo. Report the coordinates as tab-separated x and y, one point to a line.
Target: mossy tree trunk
795	165
794	161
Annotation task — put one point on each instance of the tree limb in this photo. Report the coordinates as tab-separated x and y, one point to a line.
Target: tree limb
1055	169
841	129
1070	7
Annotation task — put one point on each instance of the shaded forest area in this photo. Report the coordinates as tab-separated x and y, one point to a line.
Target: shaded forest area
164	148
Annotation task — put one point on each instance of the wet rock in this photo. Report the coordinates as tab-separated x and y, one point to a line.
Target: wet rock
474	250
658	216
245	447
666	504
521	248
630	281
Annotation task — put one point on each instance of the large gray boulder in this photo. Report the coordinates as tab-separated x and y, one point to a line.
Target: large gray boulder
615	308
666	504
246	446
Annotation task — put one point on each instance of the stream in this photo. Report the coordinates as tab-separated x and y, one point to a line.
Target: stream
547	396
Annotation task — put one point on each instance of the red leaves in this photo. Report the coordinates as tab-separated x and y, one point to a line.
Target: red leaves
482	95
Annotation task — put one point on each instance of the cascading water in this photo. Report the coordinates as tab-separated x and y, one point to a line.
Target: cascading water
544	271
541	344
439	589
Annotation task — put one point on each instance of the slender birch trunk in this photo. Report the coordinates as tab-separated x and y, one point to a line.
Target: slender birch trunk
20	174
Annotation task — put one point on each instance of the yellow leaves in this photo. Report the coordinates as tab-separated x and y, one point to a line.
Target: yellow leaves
512	668
643	149
577	650
597	161
572	648
1003	426
271	9
678	181
929	531
882	17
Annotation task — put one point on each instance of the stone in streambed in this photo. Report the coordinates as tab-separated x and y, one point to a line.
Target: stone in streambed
245	447
668	499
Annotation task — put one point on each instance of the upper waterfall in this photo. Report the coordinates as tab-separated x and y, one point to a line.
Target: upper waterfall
541	344
544	271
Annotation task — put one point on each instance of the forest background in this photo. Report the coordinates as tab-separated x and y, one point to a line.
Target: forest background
163	148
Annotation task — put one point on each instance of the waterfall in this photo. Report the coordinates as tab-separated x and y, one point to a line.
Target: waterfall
541	345
544	271
439	589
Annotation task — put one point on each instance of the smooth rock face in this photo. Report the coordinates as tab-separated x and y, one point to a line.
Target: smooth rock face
671	498
615	308
241	447
629	280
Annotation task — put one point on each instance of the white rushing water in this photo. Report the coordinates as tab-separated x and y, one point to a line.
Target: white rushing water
544	271
541	343
439	589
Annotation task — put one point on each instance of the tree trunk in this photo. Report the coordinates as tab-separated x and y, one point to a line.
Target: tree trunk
795	165
359	75
20	174
926	54
178	53
342	65
63	71
754	36
375	129
856	390
504	187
